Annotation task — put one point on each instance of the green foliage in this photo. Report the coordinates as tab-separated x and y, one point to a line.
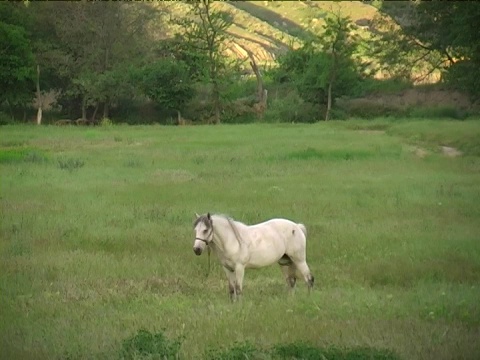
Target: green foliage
327	65
291	108
148	345
443	37
465	76
16	56
183	51
93	46
206	35
166	81
5	119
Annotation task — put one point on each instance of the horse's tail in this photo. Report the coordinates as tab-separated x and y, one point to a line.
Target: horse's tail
303	228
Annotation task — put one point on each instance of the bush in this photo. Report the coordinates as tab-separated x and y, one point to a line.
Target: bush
292	109
106	122
5	119
368	109
70	164
448	112
150	346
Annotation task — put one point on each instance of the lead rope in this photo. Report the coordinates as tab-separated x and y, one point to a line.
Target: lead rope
209	250
208	267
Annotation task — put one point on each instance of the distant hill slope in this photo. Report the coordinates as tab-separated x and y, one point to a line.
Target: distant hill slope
268	28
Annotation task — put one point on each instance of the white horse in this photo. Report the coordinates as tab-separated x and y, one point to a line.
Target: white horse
239	246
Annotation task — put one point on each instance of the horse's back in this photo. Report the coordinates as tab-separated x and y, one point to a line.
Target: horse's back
285	229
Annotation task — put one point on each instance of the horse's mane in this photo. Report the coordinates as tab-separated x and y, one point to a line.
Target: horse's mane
232	222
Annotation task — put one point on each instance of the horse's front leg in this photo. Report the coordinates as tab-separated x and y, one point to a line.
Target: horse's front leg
239	273
231	282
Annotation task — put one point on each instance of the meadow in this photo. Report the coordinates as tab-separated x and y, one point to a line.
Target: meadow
96	241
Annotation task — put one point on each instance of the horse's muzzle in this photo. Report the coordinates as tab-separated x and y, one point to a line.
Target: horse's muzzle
197	251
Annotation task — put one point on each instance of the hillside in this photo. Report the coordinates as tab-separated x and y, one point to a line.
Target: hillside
268	28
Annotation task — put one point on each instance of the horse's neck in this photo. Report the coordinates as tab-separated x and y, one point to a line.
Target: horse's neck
227	236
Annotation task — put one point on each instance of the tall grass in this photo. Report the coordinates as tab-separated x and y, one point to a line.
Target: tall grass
98	261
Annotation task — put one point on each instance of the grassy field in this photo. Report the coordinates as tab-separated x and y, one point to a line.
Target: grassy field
96	241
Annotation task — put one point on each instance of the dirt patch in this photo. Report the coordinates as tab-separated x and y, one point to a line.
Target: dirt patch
450	151
420	152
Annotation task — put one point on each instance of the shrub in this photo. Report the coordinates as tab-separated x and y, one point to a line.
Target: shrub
106	122
150	346
448	112
368	109
292	109
5	119
70	164
237	352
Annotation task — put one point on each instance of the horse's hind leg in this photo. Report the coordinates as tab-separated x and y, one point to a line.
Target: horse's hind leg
289	272
307	275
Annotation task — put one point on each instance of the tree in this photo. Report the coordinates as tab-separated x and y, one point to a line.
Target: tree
89	45
16	57
339	43
167	83
324	68
206	34
438	35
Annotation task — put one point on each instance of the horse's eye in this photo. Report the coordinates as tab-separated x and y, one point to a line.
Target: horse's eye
205	231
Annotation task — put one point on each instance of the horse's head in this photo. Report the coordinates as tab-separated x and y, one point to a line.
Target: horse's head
203	227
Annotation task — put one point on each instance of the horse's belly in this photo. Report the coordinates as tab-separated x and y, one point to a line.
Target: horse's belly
260	259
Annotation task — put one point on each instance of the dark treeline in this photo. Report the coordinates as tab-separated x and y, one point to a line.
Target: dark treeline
137	63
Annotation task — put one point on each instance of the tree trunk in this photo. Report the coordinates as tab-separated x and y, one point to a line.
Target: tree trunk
261	104
84	107
253	64
39	99
333	76
95	113
329	101
179	118
106	109
216	101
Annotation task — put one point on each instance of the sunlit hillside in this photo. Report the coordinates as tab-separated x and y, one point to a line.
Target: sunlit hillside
268	28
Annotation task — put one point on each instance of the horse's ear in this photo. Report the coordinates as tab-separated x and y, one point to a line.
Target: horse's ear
208	216
197	216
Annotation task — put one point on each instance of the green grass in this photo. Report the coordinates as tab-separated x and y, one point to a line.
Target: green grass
97	262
